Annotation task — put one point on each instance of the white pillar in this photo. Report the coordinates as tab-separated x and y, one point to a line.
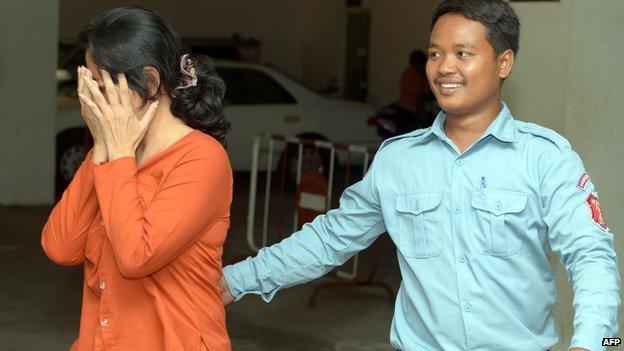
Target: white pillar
28	59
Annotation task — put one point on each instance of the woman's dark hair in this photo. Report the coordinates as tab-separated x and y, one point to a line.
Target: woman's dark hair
500	20
129	39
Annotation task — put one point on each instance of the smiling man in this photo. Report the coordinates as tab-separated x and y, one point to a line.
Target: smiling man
474	205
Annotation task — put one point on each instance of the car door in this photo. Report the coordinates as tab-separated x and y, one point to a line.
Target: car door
256	103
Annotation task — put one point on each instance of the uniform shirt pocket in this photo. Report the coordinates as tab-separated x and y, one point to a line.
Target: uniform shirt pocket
499	221
418	224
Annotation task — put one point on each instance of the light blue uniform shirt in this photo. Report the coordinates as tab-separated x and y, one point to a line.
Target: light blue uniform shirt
473	233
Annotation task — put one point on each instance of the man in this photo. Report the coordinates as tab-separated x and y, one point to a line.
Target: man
474	205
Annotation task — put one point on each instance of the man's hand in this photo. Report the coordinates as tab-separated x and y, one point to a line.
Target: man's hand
226	295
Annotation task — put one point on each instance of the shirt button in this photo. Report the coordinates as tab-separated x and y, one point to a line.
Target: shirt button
102	285
499	205
104	322
101	222
462	258
456	210
468	307
459	162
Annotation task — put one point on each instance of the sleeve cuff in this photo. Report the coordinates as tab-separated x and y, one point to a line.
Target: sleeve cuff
108	173
590	338
242	279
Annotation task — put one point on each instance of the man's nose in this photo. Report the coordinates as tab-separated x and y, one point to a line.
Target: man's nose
446	65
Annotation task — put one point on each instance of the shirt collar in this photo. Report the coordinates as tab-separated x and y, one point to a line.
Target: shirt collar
502	128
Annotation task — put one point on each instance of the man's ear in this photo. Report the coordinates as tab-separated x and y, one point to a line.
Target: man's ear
505	62
153	80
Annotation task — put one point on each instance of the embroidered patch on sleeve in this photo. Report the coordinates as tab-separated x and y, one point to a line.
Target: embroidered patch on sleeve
582	183
596	211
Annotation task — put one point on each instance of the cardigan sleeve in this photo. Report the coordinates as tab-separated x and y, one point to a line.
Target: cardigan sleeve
65	232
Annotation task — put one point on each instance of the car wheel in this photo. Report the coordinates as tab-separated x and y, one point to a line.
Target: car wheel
70	153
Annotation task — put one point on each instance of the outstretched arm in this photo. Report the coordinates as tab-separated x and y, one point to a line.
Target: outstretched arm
327	242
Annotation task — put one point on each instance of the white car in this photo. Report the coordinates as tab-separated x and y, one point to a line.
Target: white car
259	99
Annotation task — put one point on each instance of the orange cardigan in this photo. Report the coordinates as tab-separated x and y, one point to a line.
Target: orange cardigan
151	239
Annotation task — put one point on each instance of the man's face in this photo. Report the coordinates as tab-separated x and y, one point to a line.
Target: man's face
463	71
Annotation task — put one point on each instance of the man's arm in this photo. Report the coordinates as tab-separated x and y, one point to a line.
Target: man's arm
578	235
327	242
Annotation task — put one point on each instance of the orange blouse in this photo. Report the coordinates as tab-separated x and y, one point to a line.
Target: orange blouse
151	239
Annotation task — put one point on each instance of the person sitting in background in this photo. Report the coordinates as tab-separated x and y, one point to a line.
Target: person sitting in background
148	210
414	88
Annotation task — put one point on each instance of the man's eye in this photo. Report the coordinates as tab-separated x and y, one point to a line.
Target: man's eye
464	54
434	54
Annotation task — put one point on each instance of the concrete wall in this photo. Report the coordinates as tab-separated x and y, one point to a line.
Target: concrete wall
595	104
537	88
28	45
567	78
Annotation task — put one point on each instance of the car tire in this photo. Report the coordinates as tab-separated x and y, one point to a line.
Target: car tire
71	147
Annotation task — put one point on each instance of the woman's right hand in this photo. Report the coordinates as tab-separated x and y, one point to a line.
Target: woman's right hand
100	153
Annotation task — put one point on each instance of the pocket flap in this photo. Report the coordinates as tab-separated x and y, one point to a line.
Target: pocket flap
417	203
499	201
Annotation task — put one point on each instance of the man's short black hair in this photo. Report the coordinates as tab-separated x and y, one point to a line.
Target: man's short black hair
500	20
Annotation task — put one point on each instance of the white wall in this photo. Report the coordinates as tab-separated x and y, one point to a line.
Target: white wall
595	104
567	78
537	88
322	42
28	45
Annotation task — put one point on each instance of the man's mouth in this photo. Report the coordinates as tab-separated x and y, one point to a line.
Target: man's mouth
449	87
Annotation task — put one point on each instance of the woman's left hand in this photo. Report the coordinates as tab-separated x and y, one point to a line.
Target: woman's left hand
123	129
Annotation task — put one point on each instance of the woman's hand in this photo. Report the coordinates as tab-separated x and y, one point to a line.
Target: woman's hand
100	154
123	131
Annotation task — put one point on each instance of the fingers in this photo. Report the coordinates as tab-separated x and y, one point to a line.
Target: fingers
124	91
86	101
149	115
95	95
111	90
80	83
226	295
82	73
226	298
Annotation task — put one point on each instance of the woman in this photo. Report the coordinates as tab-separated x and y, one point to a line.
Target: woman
148	210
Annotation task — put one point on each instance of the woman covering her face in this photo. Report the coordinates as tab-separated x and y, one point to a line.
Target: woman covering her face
148	210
